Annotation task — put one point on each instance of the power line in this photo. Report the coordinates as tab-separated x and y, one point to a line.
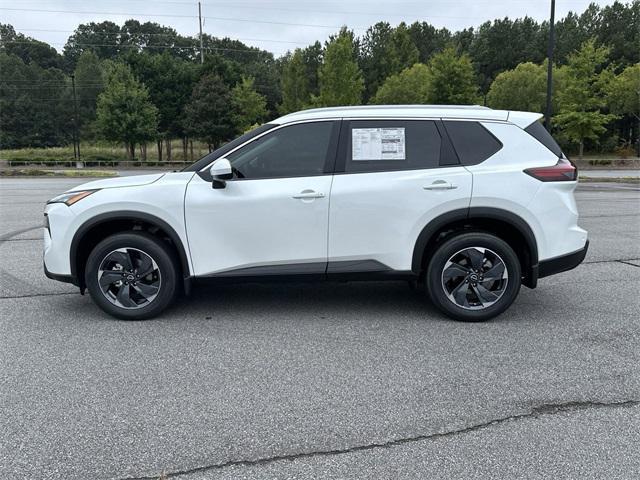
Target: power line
226	19
126	34
175	47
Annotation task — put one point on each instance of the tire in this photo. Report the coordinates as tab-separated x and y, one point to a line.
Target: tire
465	280
117	260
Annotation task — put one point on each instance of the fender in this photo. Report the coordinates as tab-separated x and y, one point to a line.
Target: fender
127	215
460	215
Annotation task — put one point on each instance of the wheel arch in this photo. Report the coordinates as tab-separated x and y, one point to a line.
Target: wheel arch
93	230
504	224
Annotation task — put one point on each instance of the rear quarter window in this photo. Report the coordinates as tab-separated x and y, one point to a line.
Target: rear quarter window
537	131
473	143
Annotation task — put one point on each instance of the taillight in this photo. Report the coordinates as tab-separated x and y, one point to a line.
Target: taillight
563	171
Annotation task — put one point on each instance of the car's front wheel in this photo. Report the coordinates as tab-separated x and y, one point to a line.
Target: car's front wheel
473	277
132	276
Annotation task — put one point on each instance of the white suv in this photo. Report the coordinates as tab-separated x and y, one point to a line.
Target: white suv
469	201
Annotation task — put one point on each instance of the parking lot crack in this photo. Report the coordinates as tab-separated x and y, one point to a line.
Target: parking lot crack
536	412
629	263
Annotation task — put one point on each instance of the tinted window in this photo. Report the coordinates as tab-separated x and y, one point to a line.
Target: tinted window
473	143
227	147
382	145
537	131
295	151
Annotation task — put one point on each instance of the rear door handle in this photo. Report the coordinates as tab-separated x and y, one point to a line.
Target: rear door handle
440	185
308	194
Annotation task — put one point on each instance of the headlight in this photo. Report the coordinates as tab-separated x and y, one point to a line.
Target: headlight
70	198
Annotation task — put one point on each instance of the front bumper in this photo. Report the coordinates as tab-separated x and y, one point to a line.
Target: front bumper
562	263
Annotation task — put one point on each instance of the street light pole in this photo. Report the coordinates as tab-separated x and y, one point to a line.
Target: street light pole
201	42
547	115
76	135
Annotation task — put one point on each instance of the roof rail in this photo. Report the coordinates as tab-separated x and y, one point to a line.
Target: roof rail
384	107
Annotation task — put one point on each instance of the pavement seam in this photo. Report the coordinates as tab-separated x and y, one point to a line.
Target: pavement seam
535	412
38	295
628	263
15	233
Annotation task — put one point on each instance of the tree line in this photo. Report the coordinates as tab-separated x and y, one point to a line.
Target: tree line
143	82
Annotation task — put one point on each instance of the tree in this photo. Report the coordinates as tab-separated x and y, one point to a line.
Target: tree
385	51
623	92
340	77
582	97
125	112
90	80
452	79
502	44
101	38
249	107
523	88
623	98
295	84
428	39
35	105
28	49
207	116
170	81
411	86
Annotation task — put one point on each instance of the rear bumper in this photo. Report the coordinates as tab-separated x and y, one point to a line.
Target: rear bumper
562	263
58	277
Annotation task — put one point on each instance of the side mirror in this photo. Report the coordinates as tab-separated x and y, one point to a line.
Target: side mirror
220	171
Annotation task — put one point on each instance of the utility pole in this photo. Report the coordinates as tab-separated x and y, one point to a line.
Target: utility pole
76	134
547	115
200	22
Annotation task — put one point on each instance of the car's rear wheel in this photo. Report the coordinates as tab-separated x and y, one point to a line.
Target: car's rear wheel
132	276
473	277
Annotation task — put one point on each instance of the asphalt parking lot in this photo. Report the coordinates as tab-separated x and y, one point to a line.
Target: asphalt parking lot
337	380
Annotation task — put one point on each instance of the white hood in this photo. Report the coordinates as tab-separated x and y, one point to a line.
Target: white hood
130	181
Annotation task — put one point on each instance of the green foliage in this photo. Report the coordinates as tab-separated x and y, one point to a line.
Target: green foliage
28	49
411	86
523	88
90	79
35	104
170	81
583	95
125	112
428	39
249	107
341	81
207	116
386	51
452	79
623	92
295	84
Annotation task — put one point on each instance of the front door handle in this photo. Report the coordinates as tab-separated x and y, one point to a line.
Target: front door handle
308	194
440	185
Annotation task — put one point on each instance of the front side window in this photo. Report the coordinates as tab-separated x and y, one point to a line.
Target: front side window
387	145
299	150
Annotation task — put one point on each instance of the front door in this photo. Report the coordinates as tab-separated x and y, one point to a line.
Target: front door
272	217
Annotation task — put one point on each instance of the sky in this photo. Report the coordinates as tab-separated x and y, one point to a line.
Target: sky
273	25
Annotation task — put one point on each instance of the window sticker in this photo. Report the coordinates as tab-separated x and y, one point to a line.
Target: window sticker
377	144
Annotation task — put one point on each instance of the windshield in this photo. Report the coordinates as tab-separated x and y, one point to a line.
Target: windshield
227	147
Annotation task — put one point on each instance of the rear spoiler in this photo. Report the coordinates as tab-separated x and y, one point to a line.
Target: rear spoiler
523	119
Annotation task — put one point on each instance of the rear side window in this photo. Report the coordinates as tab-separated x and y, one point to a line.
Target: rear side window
537	131
473	143
388	145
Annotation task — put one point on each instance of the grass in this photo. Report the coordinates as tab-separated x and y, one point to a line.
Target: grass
102	155
610	179
33	172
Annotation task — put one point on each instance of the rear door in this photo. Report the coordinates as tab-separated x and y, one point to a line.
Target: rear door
392	178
